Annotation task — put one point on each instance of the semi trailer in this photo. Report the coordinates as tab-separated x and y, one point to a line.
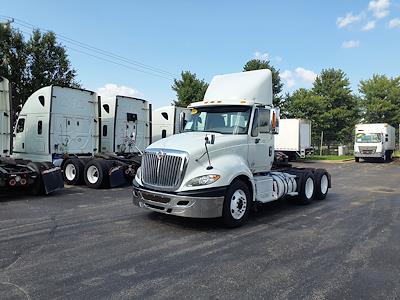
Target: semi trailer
294	138
33	176
65	125
220	166
374	141
168	120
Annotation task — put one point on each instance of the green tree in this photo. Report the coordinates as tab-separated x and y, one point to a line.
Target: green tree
14	58
304	104
342	111
329	105
32	64
48	62
380	99
277	85
188	89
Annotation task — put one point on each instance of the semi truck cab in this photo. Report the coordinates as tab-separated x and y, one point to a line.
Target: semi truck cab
221	164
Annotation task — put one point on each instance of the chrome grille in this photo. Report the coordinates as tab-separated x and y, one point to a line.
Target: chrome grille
367	149
163	170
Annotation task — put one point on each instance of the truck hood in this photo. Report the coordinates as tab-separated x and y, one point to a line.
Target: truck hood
193	142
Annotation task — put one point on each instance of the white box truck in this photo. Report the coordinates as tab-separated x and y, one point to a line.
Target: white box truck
221	164
64	125
36	177
294	138
374	141
168	120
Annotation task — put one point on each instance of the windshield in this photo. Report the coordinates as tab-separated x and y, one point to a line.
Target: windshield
221	119
368	138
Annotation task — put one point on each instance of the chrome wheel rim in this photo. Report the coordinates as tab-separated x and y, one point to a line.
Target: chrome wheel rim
238	204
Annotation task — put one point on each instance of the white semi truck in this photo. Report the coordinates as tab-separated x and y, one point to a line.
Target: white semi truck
374	141
168	120
64	125
294	138
36	177
220	166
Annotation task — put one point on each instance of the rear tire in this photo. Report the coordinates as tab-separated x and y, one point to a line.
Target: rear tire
237	204
307	188
73	171
356	159
96	174
321	184
37	188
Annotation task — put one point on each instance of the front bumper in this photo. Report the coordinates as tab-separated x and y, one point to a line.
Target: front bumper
188	204
367	155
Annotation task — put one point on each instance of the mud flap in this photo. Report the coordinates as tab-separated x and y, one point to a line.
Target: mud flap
117	177
52	180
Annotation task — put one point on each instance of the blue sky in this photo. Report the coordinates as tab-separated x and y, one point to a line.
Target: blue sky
213	37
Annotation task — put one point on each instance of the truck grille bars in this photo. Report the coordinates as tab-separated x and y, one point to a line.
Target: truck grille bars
162	169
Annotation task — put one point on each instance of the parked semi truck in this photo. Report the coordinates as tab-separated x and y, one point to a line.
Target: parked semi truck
220	166
374	141
294	138
168	120
36	177
64	125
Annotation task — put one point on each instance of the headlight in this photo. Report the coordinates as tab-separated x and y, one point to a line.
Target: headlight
139	173
203	180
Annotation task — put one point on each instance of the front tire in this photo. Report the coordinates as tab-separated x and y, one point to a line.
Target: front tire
356	159
237	204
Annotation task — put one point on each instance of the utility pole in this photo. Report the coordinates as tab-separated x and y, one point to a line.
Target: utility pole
322	141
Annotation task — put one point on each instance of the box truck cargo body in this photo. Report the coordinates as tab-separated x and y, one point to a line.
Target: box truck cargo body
294	138
374	141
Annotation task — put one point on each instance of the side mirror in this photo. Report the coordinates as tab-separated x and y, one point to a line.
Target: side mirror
182	122
274	119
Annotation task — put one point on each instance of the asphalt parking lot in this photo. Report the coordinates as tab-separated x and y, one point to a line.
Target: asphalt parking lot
93	244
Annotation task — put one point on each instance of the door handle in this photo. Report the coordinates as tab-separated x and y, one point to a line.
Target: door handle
257	141
23	145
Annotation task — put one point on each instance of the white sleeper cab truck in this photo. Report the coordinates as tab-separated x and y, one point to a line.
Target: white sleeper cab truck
374	141
220	166
65	125
36	177
294	138
168	120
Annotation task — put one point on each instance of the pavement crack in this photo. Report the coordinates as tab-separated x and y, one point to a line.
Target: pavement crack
18	288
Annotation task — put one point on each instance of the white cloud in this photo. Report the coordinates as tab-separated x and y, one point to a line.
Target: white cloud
369	26
111	90
350	44
394	23
299	76
348	19
261	56
307	76
379	8
288	77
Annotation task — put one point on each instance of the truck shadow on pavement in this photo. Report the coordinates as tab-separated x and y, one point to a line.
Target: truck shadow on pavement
263	214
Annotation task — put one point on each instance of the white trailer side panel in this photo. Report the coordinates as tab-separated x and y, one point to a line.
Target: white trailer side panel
288	138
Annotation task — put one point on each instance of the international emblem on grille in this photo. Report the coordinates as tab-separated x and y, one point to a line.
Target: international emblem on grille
160	155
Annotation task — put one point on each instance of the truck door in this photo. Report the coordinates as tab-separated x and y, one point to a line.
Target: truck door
261	152
19	135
